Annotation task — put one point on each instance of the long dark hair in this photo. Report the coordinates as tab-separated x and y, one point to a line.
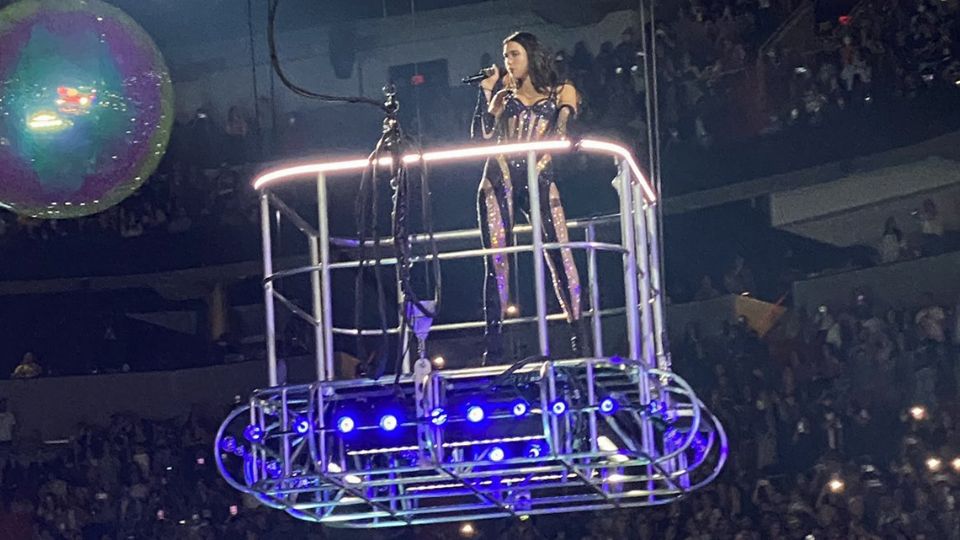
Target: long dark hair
541	67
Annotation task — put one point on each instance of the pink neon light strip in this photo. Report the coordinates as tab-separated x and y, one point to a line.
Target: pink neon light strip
355	165
483	151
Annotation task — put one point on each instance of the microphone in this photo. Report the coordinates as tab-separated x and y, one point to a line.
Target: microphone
479	76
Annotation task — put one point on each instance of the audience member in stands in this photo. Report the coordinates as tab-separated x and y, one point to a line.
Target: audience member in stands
237	133
706	290
892	244
825	441
28	368
8	422
204	151
739	279
931	321
931	227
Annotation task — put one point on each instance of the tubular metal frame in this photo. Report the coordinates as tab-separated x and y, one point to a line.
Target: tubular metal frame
296	458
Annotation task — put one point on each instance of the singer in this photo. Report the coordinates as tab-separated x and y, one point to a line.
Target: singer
532	103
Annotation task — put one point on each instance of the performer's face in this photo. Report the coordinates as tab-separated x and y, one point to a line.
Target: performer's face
515	58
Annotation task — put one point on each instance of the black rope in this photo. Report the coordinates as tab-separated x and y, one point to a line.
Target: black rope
256	91
367	212
295	88
367	228
499	379
367	197
426	214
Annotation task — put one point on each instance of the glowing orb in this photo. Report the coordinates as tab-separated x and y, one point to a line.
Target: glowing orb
86	106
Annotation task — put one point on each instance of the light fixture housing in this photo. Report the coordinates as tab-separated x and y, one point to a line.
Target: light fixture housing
475	414
388	422
346	424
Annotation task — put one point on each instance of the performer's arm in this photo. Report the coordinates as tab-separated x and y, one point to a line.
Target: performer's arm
484	121
489	104
568	100
486	112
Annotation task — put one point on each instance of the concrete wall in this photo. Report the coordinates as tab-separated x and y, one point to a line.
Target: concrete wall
52	407
862	189
895	285
864	225
218	74
852	210
710	315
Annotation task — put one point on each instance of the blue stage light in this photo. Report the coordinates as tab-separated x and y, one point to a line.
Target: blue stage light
475	414
301	424
253	433
534	450
609	405
438	416
388	422
345	424
653	408
559	407
273	469
496	454
520	407
228	444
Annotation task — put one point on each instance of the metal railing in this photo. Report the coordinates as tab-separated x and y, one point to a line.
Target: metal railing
637	221
609	431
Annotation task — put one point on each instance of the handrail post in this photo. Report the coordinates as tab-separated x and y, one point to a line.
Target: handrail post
270	328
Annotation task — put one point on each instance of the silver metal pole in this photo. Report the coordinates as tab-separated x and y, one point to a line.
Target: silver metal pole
320	460
644	264
657	286
260	454
640	214
656	169
654	212
593	278
317	315
323	228
637	225
255	420
285	419
595	320
270	322
629	259
467	234
406	366
533	192
548	411
592	399
646	427
436	398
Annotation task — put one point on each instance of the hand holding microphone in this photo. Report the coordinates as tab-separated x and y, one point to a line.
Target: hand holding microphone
482	75
488	77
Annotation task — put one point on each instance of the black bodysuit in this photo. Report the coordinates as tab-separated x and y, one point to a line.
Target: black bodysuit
504	187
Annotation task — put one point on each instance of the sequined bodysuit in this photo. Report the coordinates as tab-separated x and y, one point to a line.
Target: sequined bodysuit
504	187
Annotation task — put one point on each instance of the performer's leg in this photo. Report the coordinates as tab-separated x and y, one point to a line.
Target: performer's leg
563	268
494	216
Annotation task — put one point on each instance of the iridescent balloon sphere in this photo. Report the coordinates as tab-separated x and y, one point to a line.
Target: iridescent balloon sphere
86	106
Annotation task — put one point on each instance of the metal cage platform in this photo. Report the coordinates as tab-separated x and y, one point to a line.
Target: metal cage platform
544	435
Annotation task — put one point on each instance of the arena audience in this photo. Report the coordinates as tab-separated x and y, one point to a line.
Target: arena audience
709	96
842	425
28	368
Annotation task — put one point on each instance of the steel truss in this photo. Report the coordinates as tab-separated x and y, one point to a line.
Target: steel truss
552	435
